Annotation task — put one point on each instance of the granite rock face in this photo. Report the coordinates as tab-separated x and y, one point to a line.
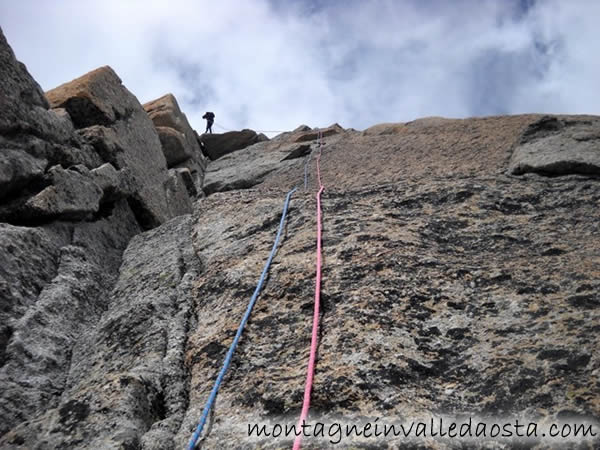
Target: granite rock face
451	286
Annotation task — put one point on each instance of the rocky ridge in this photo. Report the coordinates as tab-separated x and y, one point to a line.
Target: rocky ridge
460	271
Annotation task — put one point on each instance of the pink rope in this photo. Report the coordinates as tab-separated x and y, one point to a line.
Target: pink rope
315	329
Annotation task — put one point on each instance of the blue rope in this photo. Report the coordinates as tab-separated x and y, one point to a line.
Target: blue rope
229	355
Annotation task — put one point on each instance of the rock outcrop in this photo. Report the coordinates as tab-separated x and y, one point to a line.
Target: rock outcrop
179	141
221	144
80	175
451	286
108	116
559	146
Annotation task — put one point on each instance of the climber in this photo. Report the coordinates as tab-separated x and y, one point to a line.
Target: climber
210	118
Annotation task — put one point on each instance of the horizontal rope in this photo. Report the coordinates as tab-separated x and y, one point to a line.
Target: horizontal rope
229	356
258	131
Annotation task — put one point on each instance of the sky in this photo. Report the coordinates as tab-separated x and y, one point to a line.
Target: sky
272	65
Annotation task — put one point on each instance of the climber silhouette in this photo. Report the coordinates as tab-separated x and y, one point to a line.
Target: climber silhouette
210	118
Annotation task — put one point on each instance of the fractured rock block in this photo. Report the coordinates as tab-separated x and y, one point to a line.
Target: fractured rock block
114	183
17	169
114	122
72	195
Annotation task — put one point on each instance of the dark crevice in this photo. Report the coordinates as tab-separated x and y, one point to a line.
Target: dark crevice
159	406
144	218
16	196
563	168
105	210
5	334
14	211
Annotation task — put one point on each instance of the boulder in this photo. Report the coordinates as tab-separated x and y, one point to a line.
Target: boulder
166	114
115	123
302	128
249	167
555	146
174	146
221	144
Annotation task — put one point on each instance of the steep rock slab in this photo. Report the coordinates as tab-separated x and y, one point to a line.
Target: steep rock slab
128	383
218	145
113	120
559	146
430	305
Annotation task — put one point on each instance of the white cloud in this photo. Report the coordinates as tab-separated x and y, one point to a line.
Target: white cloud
276	64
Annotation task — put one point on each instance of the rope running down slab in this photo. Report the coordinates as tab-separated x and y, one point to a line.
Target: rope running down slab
315	328
229	356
